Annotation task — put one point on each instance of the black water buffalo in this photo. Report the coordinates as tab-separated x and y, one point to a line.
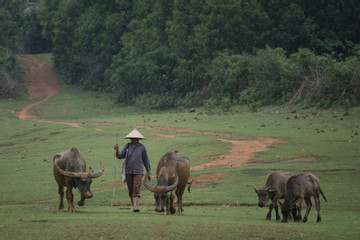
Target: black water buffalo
299	188
70	172
274	190
173	172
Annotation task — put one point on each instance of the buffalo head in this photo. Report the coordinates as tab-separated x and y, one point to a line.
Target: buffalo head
160	191
264	195
82	180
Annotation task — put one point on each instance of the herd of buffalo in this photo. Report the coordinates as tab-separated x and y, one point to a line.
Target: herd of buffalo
294	190
173	172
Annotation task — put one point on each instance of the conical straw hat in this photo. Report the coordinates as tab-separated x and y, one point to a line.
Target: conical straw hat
135	134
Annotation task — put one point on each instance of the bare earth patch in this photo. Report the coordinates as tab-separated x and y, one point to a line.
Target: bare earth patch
240	152
42	83
164	135
204	179
181	130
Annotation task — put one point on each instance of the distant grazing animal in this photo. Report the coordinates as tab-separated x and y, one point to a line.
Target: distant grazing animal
173	172
299	188
274	190
70	172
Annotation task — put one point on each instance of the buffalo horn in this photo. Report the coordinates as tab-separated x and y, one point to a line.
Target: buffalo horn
82	175
99	173
171	187
159	189
148	186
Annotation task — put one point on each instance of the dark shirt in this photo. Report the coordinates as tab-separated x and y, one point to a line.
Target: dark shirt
135	159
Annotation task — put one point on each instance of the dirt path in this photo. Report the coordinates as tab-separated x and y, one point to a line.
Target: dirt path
41	81
42	84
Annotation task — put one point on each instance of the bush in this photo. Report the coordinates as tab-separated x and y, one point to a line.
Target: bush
225	104
191	99
252	98
346	106
10	75
211	104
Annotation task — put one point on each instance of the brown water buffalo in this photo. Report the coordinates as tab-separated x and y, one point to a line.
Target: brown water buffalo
274	190
299	188
173	172
70	172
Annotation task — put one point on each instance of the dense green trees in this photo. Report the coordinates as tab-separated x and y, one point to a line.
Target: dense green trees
181	53
11	22
20	32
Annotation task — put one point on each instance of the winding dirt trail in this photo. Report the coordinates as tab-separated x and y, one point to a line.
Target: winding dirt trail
42	84
41	81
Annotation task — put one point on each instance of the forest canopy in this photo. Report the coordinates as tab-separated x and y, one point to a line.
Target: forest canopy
162	54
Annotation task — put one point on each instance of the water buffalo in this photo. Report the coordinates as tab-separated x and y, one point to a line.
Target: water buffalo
173	172
274	190
299	188
70	172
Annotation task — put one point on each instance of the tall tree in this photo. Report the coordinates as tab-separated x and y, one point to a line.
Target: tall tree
11	24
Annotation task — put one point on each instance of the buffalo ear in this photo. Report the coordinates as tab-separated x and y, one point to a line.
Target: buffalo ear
256	190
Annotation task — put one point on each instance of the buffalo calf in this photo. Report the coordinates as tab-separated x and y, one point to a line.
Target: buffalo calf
274	190
301	188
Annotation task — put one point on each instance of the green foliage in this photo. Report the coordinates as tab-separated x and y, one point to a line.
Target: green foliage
191	99
286	51
251	97
346	106
10	75
229	75
11	24
211	104
266	69
34	41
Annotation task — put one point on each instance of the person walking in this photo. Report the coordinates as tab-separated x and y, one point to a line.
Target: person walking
136	157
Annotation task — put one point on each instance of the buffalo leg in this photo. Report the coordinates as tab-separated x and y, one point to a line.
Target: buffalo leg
61	192
268	216
274	201
308	208
167	206
277	213
171	204
299	207
70	199
294	213
82	201
179	194
317	204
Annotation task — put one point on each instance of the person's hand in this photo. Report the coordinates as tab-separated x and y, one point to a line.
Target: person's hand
149	177
116	147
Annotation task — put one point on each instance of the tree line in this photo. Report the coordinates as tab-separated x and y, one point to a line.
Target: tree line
163	54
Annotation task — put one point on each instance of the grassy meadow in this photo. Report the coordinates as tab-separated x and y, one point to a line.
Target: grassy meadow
224	209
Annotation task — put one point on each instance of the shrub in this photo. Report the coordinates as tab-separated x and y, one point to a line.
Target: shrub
252	98
191	99
346	105
10	75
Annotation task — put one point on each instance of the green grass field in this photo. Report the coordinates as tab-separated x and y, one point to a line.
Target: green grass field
224	209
